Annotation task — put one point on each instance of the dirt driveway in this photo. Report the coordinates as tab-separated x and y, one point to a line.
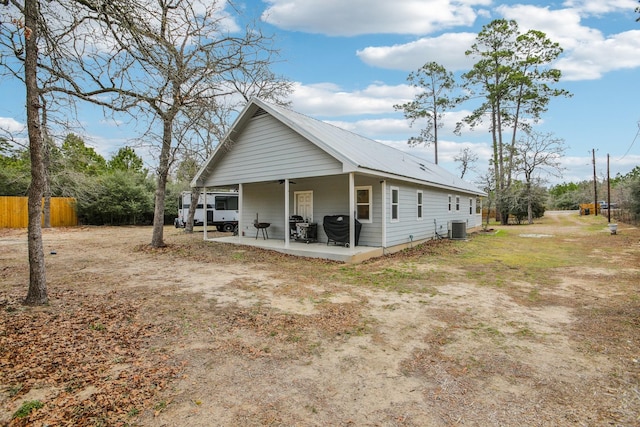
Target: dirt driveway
521	325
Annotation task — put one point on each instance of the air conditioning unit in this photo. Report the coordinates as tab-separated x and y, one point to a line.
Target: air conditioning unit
458	230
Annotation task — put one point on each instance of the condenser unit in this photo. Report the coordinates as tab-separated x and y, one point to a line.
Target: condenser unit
458	230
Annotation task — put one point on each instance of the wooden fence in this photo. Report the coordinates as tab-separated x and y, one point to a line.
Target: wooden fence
14	212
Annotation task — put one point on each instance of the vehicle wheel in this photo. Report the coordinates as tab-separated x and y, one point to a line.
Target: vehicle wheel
228	227
219	227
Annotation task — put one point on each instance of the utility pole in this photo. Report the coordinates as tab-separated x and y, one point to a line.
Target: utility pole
608	191
595	183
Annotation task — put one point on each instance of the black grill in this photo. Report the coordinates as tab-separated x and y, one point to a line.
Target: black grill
336	228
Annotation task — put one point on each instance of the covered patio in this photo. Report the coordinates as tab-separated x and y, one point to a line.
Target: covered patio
311	250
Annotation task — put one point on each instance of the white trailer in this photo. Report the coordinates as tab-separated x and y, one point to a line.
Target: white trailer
221	210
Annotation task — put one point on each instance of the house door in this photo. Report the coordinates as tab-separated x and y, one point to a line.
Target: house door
304	204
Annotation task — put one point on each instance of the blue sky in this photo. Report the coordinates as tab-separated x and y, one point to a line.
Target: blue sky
350	59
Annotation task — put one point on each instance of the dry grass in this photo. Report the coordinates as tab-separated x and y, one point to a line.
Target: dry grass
526	325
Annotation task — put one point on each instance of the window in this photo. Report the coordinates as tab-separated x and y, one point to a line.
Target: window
363	204
419	203
470	206
457	203
395	204
227	203
449	202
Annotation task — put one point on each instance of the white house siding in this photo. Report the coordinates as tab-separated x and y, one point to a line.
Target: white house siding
267	150
266	200
435	214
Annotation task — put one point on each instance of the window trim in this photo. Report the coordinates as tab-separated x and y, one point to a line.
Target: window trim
450	202
470	206
369	188
396	204
457	203
419	205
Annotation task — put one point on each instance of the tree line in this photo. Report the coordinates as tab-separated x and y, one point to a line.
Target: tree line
114	191
623	190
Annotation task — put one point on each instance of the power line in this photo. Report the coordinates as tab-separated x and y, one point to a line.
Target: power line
635	138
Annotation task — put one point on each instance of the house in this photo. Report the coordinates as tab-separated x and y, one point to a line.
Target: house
283	163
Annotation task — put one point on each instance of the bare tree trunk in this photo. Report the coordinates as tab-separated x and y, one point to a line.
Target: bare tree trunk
37	293
46	209
195	196
157	239
529	200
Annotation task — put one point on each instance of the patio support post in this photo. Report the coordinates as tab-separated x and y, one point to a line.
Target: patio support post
352	209
206	213
383	190
240	209
286	213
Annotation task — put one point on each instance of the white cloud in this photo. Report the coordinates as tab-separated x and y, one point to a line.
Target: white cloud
588	53
330	100
562	25
591	61
11	125
447	50
597	7
356	17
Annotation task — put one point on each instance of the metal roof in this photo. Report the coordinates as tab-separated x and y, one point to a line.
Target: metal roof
356	152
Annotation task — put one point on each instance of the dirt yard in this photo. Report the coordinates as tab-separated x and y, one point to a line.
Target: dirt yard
535	325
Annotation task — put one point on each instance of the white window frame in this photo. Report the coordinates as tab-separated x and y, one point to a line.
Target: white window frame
369	203
457	203
420	205
450	202
470	206
396	204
